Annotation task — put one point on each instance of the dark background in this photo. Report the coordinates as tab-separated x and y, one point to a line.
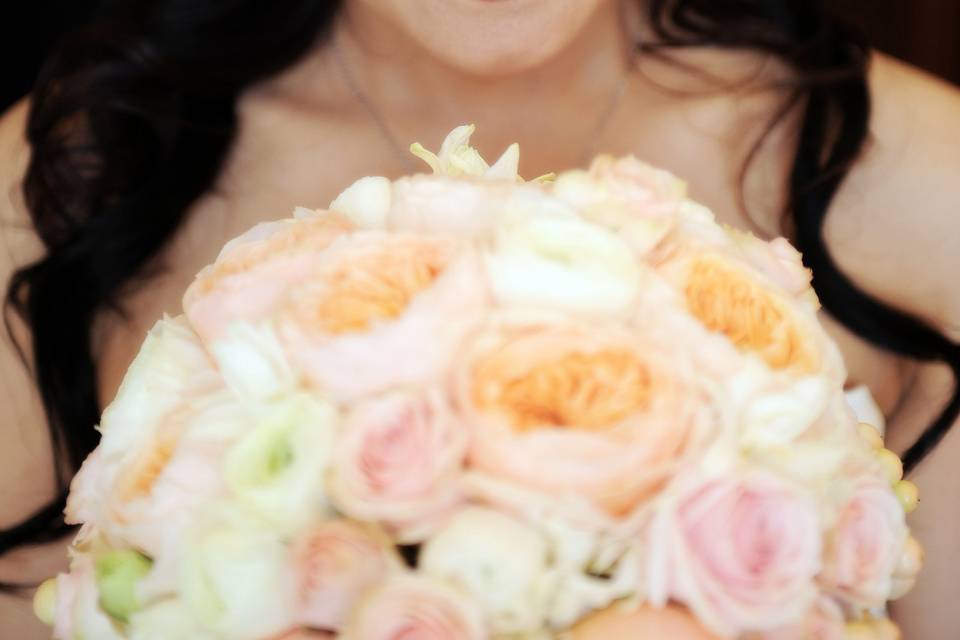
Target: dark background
925	33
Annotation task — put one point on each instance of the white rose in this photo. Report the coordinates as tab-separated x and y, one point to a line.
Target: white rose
253	362
164	620
170	365
236	577
497	559
277	469
781	412
562	263
365	203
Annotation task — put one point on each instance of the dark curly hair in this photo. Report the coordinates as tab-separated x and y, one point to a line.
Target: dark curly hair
133	117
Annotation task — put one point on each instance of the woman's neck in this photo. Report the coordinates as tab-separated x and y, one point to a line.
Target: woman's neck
555	107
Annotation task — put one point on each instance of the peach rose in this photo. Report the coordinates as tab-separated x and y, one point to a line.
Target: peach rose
866	544
145	495
381	298
408	607
623	621
578	410
337	562
253	274
397	461
760	319
741	551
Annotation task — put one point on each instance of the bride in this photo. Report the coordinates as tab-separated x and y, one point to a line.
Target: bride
170	127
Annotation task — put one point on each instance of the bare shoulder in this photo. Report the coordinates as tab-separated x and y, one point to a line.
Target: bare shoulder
24	459
895	226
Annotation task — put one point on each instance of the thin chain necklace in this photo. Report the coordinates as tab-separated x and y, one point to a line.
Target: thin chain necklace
400	151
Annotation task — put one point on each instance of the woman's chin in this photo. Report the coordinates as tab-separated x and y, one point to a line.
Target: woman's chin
487	37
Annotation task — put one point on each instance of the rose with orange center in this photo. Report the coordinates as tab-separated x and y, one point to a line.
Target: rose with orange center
255	272
145	497
379	298
578	410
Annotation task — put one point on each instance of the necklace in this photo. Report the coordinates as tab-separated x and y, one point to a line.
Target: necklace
400	152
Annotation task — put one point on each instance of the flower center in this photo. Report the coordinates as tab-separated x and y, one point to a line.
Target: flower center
378	285
727	301
579	390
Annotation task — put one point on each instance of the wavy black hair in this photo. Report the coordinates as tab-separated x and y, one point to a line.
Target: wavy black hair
133	117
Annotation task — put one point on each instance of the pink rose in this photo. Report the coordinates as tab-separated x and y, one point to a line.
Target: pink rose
740	551
337	562
254	272
866	544
649	190
397	461
409	607
578	410
383	310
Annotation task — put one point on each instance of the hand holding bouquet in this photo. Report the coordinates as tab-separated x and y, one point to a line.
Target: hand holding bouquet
465	406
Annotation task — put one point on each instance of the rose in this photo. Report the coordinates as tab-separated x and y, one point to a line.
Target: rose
824	621
77	613
623	621
277	468
168	618
255	272
365	203
562	262
442	205
408	606
588	412
499	560
145	495
740	550
236	575
337	562
758	318
866	543
397	460
374	298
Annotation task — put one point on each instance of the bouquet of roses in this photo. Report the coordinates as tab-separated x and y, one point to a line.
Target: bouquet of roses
466	406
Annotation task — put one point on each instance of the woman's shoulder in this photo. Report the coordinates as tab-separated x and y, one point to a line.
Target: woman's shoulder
895	225
24	460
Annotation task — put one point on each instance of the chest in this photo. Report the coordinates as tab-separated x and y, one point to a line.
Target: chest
282	160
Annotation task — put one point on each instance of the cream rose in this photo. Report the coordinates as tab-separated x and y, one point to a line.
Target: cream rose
337	562
584	412
382	298
397	461
277	468
563	263
236	575
866	544
499	560
408	606
741	551
77	613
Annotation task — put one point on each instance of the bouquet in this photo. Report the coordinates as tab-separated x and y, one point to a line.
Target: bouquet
464	406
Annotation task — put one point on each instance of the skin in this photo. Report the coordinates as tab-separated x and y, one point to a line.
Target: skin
539	72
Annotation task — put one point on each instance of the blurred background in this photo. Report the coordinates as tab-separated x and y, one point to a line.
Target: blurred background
925	33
